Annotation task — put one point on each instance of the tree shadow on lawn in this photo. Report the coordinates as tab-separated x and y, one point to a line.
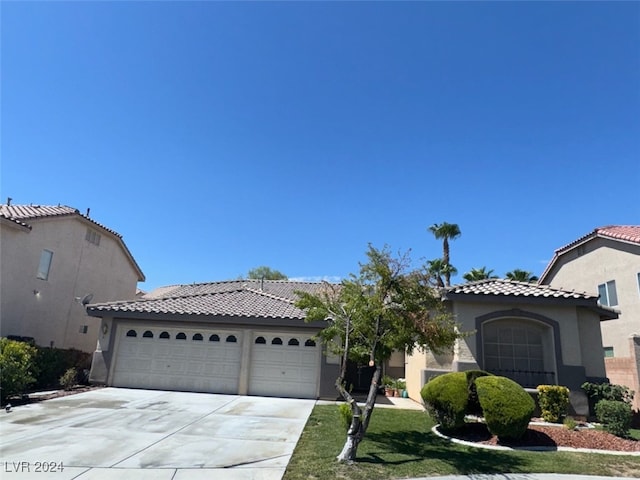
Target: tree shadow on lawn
421	446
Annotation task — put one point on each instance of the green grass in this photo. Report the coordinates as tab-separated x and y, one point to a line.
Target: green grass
399	444
634	433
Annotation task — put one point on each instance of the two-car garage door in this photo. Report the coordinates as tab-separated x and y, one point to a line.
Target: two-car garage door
284	364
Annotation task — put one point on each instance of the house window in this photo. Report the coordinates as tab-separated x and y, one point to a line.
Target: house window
608	352
92	236
639	282
83	329
607	294
516	349
45	264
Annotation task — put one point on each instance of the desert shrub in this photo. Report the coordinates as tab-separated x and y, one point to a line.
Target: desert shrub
69	379
570	423
16	367
53	363
553	401
615	416
506	406
445	398
346	415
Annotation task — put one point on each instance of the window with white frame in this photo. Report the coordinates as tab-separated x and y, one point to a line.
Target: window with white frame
607	294
608	352
45	264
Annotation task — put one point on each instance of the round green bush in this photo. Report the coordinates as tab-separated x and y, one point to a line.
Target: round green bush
445	397
506	406
615	416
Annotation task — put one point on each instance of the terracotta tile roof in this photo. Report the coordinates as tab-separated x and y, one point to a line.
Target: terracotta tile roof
623	233
627	233
22	214
32	212
505	288
236	298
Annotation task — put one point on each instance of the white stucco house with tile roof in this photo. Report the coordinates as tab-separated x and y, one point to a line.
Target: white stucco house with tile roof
52	260
533	334
238	337
606	262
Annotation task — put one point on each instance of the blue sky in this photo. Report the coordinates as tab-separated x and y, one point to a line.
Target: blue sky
220	136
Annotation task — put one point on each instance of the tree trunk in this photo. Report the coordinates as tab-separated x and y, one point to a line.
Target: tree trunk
360	421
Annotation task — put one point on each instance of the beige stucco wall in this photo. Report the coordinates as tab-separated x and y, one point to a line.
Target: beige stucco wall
596	262
579	338
78	268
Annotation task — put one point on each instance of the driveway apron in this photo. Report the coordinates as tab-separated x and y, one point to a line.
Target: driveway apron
116	433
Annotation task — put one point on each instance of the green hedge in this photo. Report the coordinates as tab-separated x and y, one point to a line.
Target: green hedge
554	402
53	363
17	367
506	406
615	416
446	398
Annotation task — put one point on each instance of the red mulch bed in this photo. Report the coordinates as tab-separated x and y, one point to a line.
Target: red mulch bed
34	398
550	437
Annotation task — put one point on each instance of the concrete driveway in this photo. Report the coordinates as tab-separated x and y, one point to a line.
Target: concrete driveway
116	433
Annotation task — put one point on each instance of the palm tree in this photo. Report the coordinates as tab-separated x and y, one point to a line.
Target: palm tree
437	268
521	276
446	231
479	274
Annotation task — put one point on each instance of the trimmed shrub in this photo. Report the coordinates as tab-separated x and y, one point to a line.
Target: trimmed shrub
16	367
53	363
69	379
606	391
346	415
506	406
445	398
615	416
553	401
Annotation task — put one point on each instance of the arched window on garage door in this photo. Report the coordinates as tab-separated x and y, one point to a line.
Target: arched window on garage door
197	337
214	338
165	335
310	343
293	342
519	349
276	341
181	336
260	341
232	339
147	334
132	333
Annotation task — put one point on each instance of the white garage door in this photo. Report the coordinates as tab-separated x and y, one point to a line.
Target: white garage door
284	365
192	360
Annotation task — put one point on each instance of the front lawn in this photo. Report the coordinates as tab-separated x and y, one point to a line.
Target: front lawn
399	444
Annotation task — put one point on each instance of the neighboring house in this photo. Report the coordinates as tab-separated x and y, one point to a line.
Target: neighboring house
237	337
534	334
607	261
54	260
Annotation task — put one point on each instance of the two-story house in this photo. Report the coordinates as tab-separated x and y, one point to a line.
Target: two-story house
606	261
54	260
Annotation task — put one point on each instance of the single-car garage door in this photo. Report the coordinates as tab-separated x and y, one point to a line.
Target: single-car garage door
195	360
284	365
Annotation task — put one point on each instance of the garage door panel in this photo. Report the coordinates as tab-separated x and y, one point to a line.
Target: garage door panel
279	368
172	363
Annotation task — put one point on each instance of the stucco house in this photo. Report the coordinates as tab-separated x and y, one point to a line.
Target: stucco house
53	261
533	334
606	262
238	337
